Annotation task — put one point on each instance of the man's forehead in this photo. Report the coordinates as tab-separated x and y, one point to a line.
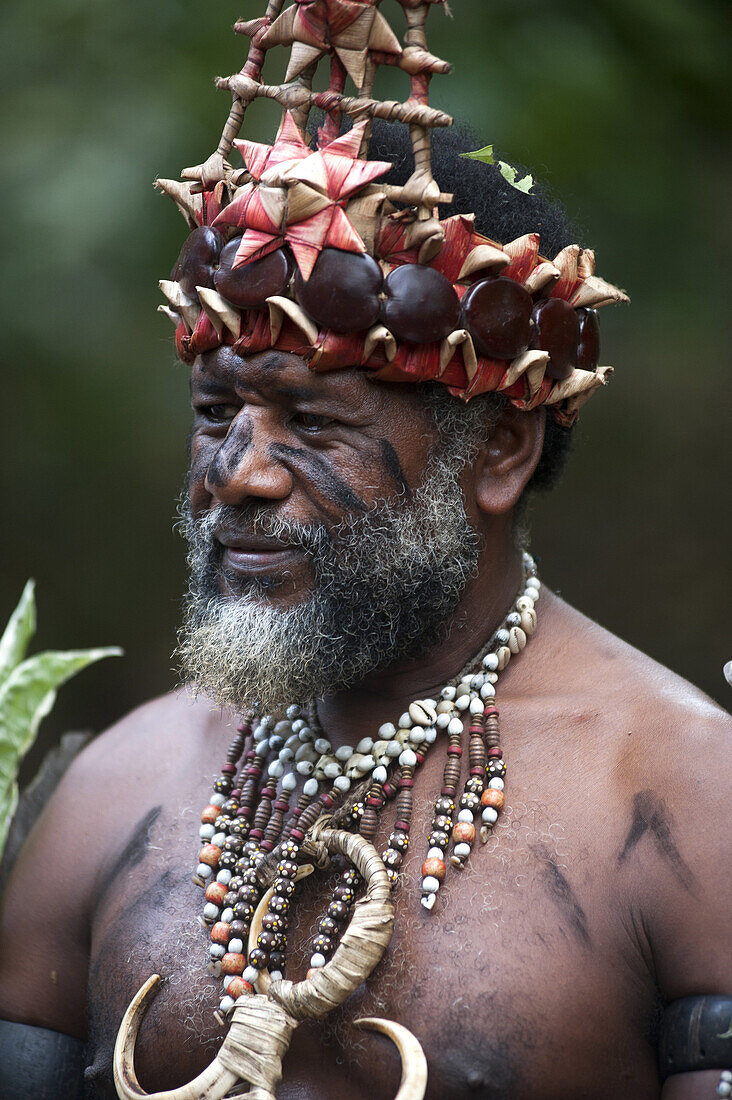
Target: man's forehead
283	375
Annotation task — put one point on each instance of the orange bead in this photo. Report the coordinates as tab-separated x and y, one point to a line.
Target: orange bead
434	867
237	987
463	833
496	799
221	933
209	854
216	892
209	815
233	963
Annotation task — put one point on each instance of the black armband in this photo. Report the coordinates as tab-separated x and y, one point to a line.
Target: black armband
696	1033
38	1062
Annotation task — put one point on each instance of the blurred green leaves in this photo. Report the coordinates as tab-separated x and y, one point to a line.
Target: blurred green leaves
28	687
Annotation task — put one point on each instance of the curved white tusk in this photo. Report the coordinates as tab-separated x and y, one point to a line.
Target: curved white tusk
414	1064
212	1084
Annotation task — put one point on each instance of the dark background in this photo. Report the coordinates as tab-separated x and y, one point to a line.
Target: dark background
621	105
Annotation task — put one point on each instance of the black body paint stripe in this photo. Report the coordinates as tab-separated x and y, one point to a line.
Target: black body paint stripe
650	815
564	897
133	852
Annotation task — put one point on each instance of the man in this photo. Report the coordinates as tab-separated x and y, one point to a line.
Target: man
353	541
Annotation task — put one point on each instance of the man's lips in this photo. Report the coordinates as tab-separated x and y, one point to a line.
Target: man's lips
255	554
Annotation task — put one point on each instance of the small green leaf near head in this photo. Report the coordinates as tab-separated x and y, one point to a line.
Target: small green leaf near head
485	155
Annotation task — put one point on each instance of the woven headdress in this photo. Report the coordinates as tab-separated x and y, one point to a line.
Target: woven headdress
303	249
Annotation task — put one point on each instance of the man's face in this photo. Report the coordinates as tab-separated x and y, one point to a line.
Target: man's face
274	441
326	529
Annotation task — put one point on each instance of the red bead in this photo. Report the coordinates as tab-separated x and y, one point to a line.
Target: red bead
238	987
221	933
209	815
454	750
434	867
495	754
496	799
209	855
233	963
216	892
463	833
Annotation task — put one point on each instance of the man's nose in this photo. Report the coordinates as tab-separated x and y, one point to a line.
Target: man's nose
243	467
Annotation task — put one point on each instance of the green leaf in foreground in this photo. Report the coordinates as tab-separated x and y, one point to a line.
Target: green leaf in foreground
18	633
26	697
485	156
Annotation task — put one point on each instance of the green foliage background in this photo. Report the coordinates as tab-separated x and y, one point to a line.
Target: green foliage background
620	104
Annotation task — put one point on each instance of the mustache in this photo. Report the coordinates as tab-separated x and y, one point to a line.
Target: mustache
229	522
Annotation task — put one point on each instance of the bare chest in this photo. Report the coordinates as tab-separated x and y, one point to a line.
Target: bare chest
515	984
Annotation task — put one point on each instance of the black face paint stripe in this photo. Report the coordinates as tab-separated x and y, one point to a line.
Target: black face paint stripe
391	462
650	815
228	456
330	486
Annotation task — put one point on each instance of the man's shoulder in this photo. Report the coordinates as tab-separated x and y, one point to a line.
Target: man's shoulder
658	726
178	715
163	734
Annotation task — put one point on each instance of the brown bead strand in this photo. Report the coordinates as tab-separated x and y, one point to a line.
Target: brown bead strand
495	769
271	942
374	802
293	822
399	836
273	832
444	809
264	810
463	832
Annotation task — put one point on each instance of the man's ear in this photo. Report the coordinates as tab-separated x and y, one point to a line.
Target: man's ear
509	458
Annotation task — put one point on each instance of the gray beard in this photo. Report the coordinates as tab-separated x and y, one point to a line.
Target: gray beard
386	585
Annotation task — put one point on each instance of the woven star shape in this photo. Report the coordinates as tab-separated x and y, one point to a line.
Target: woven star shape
298	196
350	27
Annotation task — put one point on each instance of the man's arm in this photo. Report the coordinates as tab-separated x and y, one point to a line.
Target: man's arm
688	899
40	1063
44	916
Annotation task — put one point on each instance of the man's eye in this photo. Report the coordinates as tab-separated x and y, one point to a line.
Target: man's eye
311	422
218	413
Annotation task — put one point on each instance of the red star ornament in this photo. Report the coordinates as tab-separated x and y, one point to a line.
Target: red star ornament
314	27
332	174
